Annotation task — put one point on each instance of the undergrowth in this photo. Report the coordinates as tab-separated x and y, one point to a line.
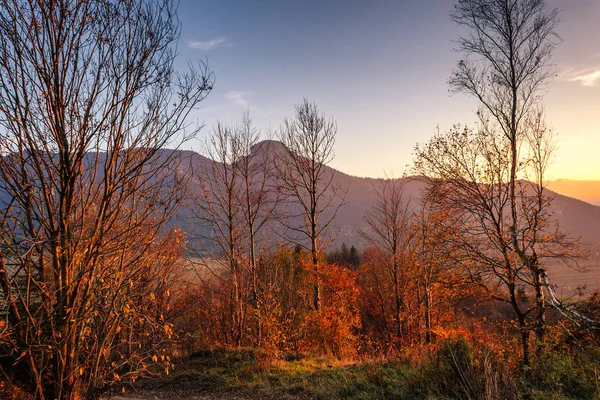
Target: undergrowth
452	370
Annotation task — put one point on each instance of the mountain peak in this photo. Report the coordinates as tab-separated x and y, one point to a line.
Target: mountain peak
268	145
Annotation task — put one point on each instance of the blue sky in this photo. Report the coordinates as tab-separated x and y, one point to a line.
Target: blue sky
380	68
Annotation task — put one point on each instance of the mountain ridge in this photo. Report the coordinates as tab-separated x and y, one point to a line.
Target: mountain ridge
577	217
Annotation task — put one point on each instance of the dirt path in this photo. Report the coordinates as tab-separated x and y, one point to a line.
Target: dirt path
185	397
176	395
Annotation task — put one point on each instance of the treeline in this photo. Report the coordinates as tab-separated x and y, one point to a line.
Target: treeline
263	276
369	306
410	286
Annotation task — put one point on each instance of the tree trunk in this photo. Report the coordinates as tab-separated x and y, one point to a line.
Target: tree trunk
316	286
398	301
238	316
427	314
523	328
255	301
540	323
525	345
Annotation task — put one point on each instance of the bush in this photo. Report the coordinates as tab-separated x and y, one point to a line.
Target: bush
558	373
11	392
454	355
334	329
468	373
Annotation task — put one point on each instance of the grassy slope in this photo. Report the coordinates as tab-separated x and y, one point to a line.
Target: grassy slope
241	374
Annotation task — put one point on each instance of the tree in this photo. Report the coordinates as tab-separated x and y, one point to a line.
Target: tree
306	183
344	257
389	231
219	209
88	98
508	63
235	201
259	200
434	256
469	176
354	258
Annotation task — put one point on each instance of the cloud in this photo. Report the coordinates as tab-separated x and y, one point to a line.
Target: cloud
237	98
588	79
208	45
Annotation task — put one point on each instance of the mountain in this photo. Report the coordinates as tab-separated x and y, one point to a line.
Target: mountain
577	217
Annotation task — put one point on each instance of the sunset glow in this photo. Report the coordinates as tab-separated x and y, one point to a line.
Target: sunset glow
380	69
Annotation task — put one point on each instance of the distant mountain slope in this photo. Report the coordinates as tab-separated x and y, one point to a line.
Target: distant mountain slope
588	191
579	218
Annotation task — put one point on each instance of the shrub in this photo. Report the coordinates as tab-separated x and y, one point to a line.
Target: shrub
333	329
559	373
469	373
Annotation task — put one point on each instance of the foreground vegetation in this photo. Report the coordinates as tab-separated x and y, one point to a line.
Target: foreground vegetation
450	370
453	369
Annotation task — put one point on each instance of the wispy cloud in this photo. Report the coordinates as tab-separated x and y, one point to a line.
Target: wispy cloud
208	45
587	79
237	98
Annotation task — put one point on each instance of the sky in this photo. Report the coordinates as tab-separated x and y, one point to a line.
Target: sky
380	69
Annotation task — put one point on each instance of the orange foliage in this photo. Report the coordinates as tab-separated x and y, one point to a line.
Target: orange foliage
333	330
11	392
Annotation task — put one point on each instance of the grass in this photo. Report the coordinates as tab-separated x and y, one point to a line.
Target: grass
314	378
421	375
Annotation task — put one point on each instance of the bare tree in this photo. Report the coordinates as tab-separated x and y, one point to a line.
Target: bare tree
88	97
219	208
235	202
259	200
306	183
508	61
469	176
389	231
507	65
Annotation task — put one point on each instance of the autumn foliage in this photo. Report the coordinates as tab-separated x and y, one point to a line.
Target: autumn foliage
100	286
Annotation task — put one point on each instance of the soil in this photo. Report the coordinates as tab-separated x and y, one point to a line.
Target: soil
184	395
